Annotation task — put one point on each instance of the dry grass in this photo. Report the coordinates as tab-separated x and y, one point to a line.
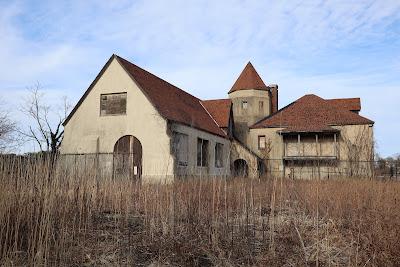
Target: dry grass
52	218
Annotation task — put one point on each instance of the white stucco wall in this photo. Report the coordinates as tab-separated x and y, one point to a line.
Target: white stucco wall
142	120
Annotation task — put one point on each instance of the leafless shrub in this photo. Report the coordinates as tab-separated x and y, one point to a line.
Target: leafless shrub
359	150
7	130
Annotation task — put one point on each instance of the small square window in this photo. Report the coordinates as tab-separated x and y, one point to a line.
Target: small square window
244	104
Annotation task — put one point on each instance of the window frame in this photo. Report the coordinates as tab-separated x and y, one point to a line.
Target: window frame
245	104
175	149
219	163
106	95
259	142
203	160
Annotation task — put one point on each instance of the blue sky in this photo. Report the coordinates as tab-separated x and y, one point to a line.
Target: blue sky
329	48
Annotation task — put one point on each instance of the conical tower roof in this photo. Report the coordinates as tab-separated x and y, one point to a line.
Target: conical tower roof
249	79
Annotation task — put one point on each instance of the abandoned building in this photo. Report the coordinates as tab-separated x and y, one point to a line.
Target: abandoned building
155	131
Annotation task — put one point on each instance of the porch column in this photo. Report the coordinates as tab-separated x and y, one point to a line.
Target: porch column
318	153
298	144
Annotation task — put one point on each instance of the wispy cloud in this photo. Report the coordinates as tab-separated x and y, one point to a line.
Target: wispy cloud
331	48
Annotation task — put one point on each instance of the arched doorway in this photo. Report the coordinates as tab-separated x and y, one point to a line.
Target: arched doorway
128	157
240	168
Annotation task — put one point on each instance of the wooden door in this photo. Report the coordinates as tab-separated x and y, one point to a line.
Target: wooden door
128	157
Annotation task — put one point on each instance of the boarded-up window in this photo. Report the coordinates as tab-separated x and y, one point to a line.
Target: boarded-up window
180	147
113	104
219	152
261	142
244	104
202	152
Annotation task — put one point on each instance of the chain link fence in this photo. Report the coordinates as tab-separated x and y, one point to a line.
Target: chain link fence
122	166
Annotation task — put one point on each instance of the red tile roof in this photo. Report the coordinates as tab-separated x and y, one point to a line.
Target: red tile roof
249	79
311	113
352	104
219	109
171	102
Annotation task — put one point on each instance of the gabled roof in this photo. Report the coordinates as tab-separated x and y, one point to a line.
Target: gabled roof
219	109
311	113
249	79
171	102
352	104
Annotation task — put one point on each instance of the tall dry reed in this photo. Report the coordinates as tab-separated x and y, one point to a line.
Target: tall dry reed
51	216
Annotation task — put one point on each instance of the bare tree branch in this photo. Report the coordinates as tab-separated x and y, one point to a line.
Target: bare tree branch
44	131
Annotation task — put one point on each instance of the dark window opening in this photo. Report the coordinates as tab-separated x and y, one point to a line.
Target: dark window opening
219	162
261	105
202	152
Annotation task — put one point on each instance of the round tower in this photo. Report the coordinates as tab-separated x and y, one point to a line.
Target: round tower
252	101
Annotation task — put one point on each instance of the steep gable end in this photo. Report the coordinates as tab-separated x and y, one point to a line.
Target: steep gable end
171	102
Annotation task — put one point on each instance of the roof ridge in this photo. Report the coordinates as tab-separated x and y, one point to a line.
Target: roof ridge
343	98
219	99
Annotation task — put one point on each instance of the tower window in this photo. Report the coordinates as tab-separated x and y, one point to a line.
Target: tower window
244	104
261	105
261	142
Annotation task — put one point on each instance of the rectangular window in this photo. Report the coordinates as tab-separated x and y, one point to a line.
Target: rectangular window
244	104
202	152
180	147
113	104
261	142
219	158
261	105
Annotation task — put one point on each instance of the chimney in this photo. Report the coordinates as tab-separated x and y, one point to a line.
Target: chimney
274	97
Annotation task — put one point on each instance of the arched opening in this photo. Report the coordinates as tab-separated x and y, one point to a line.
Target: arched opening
127	160
240	168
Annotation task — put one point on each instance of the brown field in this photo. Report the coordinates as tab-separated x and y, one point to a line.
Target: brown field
48	217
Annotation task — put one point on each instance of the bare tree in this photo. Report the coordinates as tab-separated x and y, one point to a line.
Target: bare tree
265	155
46	128
7	131
360	153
